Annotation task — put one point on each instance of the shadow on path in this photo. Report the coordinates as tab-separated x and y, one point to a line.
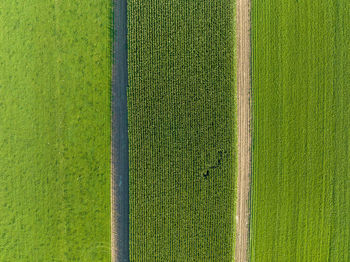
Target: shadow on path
120	158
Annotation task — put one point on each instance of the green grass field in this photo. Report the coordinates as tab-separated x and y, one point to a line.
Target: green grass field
54	98
301	94
182	130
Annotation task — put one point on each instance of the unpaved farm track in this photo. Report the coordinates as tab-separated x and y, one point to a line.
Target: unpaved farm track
244	134
119	150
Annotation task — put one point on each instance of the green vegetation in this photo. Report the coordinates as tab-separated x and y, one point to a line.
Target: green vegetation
54	130
181	103
301	87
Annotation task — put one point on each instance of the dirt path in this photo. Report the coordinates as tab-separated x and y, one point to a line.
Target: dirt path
244	135
120	147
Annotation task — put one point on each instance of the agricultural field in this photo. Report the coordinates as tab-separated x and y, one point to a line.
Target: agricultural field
182	129
188	116
300	199
54	98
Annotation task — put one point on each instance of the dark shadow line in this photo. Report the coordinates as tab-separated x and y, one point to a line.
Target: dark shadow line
120	145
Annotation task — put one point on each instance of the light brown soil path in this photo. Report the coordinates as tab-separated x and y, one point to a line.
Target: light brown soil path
244	134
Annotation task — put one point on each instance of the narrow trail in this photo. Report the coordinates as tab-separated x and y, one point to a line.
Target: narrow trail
120	146
244	134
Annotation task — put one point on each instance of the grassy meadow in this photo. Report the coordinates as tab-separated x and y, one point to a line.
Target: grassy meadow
55	130
300	196
182	129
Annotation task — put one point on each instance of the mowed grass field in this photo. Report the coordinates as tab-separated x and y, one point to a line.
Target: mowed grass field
301	94
55	130
182	130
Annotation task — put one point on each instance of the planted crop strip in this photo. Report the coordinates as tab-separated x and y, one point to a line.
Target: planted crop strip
301	96
182	130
